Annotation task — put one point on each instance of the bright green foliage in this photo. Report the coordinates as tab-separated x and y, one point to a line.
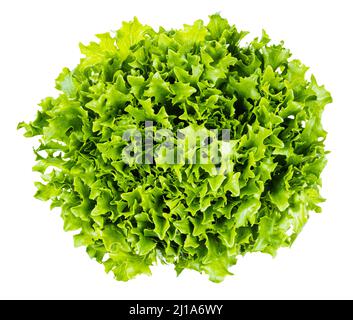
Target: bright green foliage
196	216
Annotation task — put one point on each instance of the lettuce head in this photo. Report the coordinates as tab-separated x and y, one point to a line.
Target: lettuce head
134	153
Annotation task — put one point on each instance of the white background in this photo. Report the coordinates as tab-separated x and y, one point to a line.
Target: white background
38	260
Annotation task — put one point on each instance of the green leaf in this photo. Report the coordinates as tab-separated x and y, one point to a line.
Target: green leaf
247	87
130	34
246	213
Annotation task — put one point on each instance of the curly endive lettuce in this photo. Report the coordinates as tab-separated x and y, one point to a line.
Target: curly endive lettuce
131	215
